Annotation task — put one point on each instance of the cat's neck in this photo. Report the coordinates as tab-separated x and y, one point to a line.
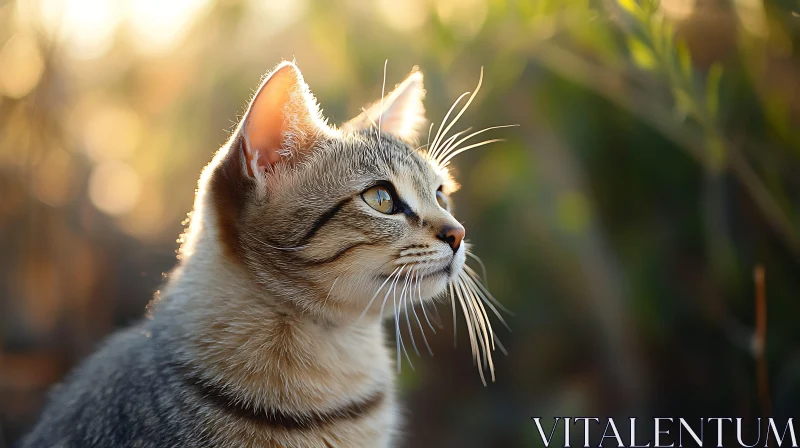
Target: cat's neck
265	349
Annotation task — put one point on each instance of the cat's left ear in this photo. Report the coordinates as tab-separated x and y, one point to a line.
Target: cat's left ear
282	122
400	113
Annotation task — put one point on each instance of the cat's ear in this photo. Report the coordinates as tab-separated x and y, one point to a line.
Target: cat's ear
282	121
399	113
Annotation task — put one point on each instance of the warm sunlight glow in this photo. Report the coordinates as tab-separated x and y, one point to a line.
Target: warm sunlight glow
752	15
149	218
159	25
404	16
677	9
274	15
54	179
22	65
114	188
111	133
86	26
465	17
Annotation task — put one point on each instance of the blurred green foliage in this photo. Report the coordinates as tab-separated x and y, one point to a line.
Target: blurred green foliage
656	164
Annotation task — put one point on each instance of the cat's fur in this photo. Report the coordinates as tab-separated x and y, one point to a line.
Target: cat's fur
258	338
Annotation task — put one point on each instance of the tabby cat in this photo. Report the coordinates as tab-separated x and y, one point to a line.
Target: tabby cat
268	332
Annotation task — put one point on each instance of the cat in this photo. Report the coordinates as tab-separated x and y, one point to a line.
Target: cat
268	332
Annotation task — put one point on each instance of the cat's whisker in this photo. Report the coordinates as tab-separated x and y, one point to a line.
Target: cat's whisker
404	300
417	280
366	114
486	292
480	263
383	93
428	145
500	345
461	289
324	302
449	142
452	154
265	244
471	331
422	303
398	337
483	355
469	286
468	318
453	306
376	294
485	333
396	328
389	291
433	145
454	146
436	317
464	108
479	291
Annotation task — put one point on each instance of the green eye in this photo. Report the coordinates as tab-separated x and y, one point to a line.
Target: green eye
442	199
379	198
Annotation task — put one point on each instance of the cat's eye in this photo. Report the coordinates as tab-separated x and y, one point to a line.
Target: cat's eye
379	198
442	199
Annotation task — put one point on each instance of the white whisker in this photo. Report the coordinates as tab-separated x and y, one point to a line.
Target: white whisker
388	291
428	145
480	263
422	304
453	305
466	148
444	121
478	289
376	294
500	345
417	280
404	300
463	109
366	114
445	151
484	330
383	92
470	288
471	331
447	143
398	337
330	291
486	292
264	243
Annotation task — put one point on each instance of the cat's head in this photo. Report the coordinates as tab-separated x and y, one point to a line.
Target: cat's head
324	216
341	222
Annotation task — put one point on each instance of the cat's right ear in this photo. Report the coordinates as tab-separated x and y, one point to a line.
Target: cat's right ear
399	113
281	122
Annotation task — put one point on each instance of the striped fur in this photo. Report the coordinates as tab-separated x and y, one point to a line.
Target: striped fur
263	335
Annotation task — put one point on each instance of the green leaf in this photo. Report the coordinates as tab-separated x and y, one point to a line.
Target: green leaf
633	8
641	53
683	101
684	58
712	88
669	35
657	33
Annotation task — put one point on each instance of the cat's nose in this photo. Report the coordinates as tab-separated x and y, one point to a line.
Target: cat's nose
452	235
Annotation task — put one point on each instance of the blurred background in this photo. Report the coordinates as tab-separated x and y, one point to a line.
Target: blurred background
656	167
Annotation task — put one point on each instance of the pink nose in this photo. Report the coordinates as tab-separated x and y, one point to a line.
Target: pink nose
452	235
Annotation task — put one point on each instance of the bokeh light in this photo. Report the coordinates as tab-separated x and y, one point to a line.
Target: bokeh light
22	65
114	187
